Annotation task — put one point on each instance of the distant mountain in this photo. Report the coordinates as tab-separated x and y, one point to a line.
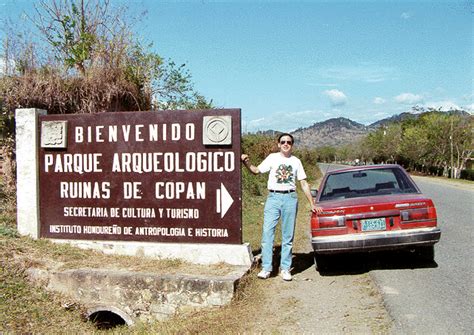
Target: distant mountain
332	132
340	131
405	116
270	133
395	118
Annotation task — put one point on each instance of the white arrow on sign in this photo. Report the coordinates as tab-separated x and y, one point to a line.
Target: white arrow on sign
223	200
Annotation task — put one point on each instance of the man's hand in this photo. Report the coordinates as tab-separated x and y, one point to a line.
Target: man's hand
246	161
244	158
316	209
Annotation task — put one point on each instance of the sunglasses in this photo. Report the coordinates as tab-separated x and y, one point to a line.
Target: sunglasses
286	142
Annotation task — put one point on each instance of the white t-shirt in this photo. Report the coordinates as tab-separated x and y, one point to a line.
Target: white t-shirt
284	171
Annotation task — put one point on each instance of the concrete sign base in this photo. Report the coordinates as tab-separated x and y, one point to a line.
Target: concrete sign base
140	296
205	254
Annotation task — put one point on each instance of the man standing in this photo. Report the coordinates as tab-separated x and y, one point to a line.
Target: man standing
282	202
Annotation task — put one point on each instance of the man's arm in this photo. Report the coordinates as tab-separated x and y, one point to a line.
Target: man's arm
307	192
246	161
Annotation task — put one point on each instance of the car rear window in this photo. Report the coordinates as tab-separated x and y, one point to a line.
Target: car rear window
353	184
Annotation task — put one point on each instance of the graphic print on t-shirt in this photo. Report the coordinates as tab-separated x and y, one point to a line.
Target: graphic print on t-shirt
284	174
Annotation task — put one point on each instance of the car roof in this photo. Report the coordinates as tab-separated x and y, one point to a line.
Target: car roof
365	167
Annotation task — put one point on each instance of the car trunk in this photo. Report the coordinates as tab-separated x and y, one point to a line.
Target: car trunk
373	214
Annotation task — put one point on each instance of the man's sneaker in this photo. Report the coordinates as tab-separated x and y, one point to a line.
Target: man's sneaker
286	275
263	274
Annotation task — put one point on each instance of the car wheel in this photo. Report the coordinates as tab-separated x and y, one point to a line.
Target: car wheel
321	262
426	254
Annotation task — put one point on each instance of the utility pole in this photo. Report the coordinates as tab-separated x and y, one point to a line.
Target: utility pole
451	145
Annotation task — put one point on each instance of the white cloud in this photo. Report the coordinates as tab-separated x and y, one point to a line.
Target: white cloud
379	101
323	85
406	15
328	115
468	97
366	72
409	98
262	119
338	98
286	121
290	121
380	115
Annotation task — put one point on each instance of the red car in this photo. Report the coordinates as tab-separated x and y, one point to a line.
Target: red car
367	208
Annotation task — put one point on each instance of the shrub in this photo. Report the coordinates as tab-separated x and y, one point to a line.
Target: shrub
467	174
258	147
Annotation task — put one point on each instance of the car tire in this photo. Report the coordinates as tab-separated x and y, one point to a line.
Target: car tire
426	254
321	262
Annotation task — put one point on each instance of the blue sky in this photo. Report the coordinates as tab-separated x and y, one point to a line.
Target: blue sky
291	64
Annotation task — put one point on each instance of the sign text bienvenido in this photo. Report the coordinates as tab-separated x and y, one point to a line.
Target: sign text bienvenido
166	176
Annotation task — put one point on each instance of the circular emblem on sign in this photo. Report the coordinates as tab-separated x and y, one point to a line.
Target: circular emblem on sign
217	130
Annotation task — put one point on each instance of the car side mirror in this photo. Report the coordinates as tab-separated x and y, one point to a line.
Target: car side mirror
314	193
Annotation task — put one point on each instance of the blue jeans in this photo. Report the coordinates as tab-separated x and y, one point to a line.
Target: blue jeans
284	206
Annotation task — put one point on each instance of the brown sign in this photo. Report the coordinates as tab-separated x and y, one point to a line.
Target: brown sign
166	176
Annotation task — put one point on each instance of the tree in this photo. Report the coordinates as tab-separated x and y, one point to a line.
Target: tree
415	146
384	143
435	142
92	62
85	58
77	31
461	139
326	154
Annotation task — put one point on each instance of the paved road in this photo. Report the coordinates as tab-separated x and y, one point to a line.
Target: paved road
437	300
433	298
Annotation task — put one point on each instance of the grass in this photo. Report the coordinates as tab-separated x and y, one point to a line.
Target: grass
465	182
231	319
25	308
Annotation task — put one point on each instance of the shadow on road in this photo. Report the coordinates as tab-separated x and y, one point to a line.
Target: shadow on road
353	263
300	261
358	263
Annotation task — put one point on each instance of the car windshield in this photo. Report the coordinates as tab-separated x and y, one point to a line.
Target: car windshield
354	184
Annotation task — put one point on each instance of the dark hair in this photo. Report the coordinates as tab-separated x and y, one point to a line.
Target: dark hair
286	134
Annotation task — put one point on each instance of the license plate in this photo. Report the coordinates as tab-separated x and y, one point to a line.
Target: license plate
373	224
